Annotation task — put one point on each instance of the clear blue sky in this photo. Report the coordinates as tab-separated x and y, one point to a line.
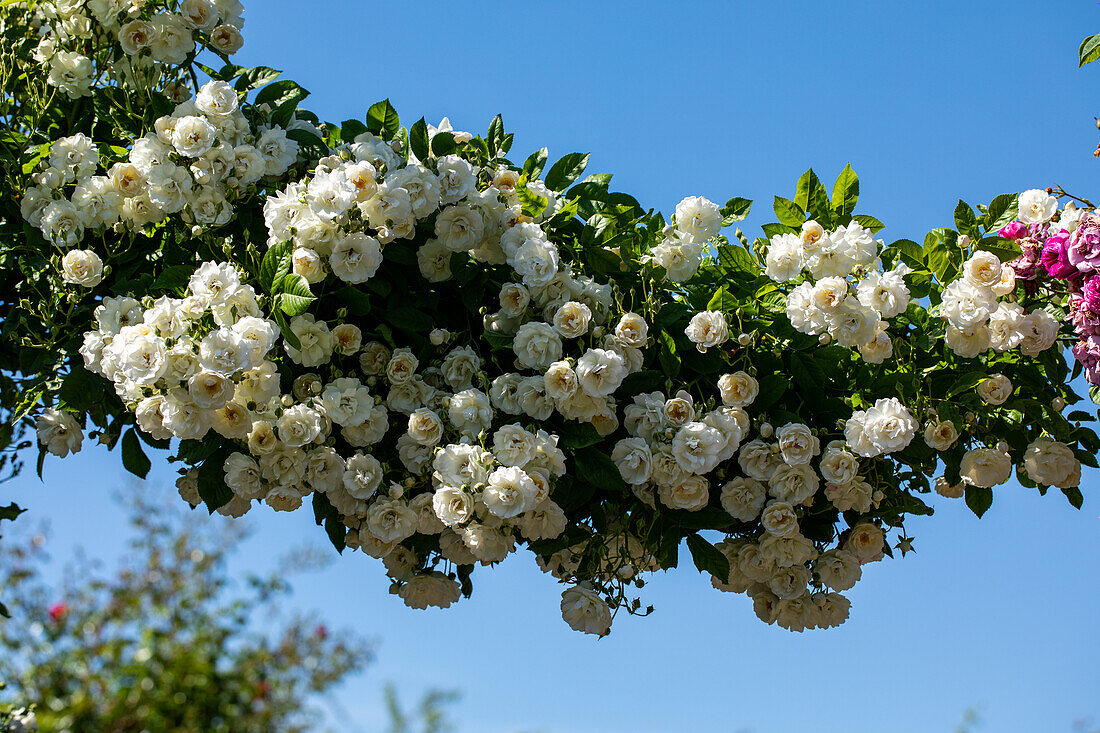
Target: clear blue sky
930	102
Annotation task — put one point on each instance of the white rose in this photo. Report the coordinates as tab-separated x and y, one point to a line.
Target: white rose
510	492
965	306
838	466
866	541
460	366
778	518
633	459
1052	463
985	467
853	324
738	389
1040	332
996	389
316	341
62	224
82	267
584	610
600	372
885	428
802	313
470	411
347	402
242	476
514	446
537	345
572	318
172	41
707	329
59	432
193	136
425	427
210	390
561	381
632	330
983	270
1037	206
885	292
217	98
227	39
362	476
838	569
698	217
487	544
460	228
797	444
783	262
299	425
429	589
879	348
743	498
944	488
536	261
697	447
391	520
793	484
758	460
691	494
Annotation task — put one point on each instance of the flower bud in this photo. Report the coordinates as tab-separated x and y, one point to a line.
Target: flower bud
766	430
744	339
1058	404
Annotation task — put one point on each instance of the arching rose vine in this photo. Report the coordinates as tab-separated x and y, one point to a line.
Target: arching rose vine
451	356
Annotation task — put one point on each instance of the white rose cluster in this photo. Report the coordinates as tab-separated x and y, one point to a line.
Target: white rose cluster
681	252
200	159
135	40
979	318
843	293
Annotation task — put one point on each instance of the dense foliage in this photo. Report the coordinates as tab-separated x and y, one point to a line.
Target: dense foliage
169	641
449	353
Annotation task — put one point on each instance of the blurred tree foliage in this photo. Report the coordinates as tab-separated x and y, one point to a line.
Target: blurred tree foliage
167	643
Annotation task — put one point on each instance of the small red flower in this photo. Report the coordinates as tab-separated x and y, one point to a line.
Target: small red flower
57	611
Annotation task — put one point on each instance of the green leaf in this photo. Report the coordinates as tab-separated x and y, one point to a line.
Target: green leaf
736	209
532	203
133	456
418	140
708	558
408	318
10	512
275	265
808	373
566	170
281	92
940	256
1074	496
966	382
256	77
979	500
845	193
596	468
670	360
908	252
576	435
212	488
1002	210
174	278
443	143
789	212
1089	51
965	220
812	198
382	119
535	163
733	259
284	328
869	222
1005	249
295	296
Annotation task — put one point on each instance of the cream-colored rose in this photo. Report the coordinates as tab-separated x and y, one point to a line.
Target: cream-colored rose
779	518
743	498
707	330
425	427
940	434
867	542
985	467
82	267
572	318
584	610
797	444
738	389
996	389
632	330
1052	463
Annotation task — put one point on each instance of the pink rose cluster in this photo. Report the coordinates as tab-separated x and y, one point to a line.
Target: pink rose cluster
1052	251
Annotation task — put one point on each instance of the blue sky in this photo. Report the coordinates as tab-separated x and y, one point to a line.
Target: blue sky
929	102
